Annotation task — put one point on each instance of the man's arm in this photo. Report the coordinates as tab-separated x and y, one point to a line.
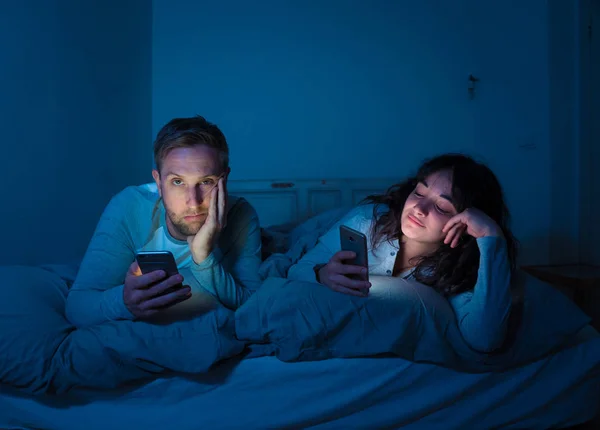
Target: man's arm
230	272
97	294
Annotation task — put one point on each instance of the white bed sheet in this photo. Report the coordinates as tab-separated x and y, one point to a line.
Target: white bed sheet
560	390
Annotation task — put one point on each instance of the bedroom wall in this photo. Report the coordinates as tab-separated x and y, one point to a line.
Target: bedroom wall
564	72
589	85
353	89
75	119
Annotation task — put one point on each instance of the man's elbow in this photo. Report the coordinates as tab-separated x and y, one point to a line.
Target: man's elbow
243	298
74	312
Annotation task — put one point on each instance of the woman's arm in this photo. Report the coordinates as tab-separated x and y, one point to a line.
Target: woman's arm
359	218
483	313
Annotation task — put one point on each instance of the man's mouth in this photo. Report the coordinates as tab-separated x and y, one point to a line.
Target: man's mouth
194	217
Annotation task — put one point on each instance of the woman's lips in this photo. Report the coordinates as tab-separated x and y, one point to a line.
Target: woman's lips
415	221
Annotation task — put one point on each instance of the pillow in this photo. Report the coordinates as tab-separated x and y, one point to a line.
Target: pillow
298	321
273	242
32	325
549	321
319	224
42	352
285	247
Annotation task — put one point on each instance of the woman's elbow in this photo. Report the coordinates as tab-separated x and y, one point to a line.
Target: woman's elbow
302	272
292	273
486	343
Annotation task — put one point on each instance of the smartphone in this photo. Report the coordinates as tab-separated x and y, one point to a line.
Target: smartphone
355	241
149	261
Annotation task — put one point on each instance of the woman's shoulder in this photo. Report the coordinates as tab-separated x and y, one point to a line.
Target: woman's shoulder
363	215
371	210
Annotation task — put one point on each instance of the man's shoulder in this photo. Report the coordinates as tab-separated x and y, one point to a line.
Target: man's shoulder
138	193
135	199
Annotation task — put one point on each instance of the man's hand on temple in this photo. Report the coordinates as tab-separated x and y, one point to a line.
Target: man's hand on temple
201	244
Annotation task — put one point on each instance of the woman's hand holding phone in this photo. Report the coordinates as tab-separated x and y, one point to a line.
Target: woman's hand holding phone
146	294
337	275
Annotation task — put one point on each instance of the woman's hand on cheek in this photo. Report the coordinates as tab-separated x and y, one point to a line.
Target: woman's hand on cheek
472	221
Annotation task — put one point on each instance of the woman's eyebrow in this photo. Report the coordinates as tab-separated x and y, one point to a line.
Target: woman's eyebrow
444	196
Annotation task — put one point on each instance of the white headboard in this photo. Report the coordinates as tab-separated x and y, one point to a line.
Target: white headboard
280	202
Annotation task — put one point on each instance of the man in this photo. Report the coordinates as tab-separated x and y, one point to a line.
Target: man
215	238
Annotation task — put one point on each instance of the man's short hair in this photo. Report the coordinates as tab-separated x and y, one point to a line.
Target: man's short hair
186	133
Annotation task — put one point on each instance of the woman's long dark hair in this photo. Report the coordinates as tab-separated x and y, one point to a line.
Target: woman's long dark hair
449	270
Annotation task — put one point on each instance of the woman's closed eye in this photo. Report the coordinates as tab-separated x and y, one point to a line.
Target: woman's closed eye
441	210
438	208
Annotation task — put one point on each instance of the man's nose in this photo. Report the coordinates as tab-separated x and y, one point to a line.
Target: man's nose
195	196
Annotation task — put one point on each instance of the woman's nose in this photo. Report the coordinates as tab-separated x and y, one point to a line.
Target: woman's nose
421	208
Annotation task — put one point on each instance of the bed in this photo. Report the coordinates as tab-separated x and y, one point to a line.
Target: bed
264	392
557	390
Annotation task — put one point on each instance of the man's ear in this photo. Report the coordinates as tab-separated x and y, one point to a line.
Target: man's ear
156	177
226	175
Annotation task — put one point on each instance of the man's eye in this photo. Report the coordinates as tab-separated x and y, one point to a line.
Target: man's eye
442	211
177	182
418	194
208	182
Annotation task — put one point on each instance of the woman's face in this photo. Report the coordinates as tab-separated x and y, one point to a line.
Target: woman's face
428	208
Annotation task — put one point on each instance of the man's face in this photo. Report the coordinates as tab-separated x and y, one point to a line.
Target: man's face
185	182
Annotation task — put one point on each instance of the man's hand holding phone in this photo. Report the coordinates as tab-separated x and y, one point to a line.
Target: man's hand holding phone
146	294
337	275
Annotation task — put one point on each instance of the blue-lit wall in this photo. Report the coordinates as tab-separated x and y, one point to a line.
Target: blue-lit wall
302	89
75	119
339	88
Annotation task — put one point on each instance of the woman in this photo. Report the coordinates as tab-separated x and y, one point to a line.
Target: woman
446	227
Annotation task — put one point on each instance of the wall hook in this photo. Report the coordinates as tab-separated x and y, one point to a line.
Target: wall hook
471	87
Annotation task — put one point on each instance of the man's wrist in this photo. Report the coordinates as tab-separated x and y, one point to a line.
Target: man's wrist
205	262
199	254
317	269
199	257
